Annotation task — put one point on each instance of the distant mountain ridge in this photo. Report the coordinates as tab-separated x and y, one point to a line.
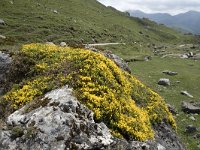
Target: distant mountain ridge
186	22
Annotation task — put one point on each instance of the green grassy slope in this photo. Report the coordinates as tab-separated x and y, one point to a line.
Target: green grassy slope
77	21
188	75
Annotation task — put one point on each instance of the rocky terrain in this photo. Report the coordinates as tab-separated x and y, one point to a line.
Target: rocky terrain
125	113
62	122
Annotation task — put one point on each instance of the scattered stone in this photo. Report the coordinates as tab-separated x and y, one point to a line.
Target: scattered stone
2	37
50	43
197	136
2	22
55	11
197	57
178	81
172	109
192	118
146	58
190	108
164	82
171	73
184	56
190	129
63	44
186	94
190	54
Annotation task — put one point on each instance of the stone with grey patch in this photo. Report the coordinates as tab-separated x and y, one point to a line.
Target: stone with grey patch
164	82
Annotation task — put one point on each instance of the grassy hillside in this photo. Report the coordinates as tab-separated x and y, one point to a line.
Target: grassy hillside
77	21
188	75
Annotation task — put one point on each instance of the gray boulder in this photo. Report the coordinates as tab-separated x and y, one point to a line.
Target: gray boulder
119	61
62	124
172	109
190	129
2	22
63	44
184	56
164	82
190	108
167	138
50	43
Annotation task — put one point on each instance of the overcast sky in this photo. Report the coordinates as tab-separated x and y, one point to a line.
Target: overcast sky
152	6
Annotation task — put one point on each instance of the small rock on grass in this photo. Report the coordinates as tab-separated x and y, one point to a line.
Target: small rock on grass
63	44
190	129
171	73
186	94
164	82
190	108
2	22
172	109
50	43
2	37
192	118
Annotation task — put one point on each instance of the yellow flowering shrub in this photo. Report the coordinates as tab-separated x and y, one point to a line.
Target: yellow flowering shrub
118	99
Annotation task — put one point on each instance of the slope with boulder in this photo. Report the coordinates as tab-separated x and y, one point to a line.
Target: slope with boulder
120	102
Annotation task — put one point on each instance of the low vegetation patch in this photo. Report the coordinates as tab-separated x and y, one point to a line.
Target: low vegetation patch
118	99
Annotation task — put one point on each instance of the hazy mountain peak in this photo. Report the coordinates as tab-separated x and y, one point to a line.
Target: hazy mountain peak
187	22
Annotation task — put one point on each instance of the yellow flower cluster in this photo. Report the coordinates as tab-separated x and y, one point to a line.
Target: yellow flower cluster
118	99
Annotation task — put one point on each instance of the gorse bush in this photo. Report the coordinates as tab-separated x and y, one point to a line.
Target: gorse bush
118	99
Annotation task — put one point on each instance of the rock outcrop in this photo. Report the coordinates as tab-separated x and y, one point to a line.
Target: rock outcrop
63	123
2	22
119	61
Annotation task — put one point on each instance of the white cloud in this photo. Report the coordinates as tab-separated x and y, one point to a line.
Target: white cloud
151	6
